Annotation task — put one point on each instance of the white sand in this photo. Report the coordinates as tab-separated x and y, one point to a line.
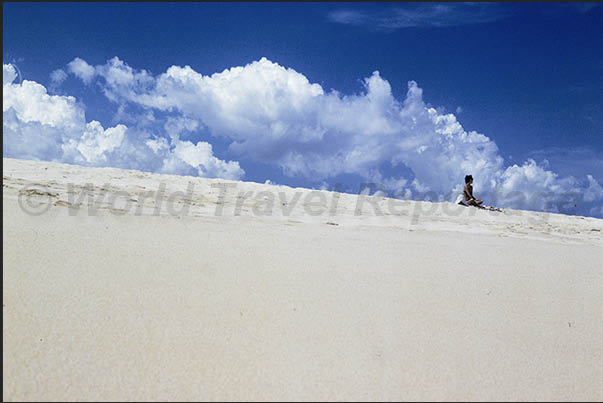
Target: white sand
434	301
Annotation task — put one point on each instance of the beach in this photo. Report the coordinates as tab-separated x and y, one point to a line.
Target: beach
128	285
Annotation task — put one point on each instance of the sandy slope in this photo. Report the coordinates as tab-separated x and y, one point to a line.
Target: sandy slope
111	301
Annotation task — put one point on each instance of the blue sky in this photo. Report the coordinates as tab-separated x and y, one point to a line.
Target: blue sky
529	77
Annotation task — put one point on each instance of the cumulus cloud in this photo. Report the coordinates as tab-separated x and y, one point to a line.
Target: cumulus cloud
200	155
96	142
174	126
594	191
32	103
57	77
274	115
9	74
81	69
40	126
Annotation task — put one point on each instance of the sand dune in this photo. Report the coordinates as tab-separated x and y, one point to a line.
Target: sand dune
126	285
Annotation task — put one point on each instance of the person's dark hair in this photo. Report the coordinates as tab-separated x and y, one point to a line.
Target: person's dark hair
468	178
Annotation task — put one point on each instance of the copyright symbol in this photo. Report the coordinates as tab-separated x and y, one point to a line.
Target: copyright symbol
35	199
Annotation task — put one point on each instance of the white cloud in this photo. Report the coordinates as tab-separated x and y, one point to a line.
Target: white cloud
31	103
30	140
158	145
422	15
40	126
441	15
119	78
9	74
57	77
81	69
274	115
530	186
174	126
594	190
201	156
351	17
96	142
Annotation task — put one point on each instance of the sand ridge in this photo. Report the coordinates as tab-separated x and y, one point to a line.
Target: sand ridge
102	303
91	191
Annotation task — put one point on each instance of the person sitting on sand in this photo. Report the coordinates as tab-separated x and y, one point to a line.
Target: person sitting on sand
468	199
